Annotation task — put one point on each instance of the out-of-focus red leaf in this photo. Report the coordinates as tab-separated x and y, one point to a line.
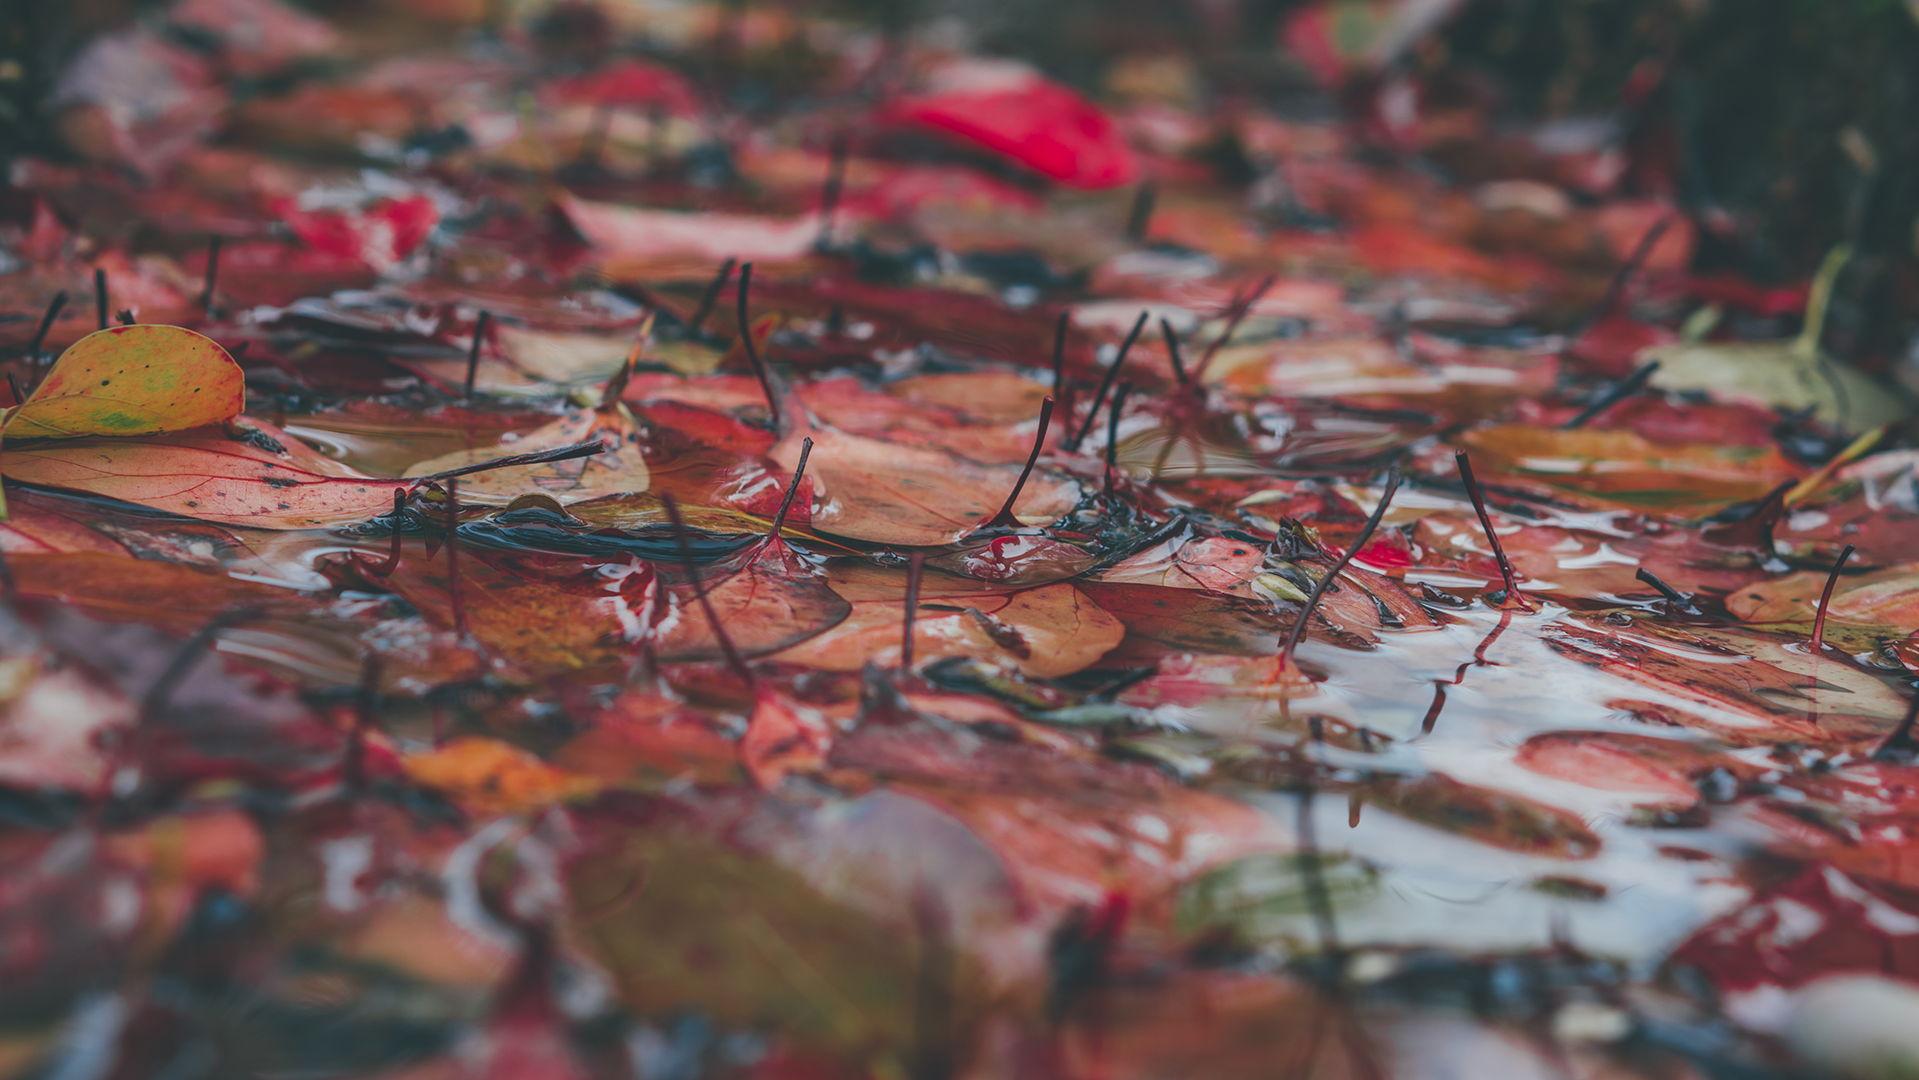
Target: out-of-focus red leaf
1042	125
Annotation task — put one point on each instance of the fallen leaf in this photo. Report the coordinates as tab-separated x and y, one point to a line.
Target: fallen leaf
492	777
1048	631
887	493
251	474
132	380
620	470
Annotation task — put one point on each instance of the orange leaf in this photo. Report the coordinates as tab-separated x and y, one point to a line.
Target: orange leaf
250	474
489	776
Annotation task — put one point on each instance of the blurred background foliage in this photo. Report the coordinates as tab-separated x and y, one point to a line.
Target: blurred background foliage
1783	126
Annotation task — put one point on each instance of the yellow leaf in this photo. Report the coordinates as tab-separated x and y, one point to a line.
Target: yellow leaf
489	776
133	380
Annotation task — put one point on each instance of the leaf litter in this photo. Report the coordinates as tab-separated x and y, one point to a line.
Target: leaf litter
907	583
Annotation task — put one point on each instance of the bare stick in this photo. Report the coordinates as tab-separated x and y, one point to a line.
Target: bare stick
392	562
732	655
473	351
830	194
1621	390
213	277
453	557
1825	598
1236	316
46	323
1622	277
1326	582
1671	594
1092	413
710	297
1172	350
537	457
752	350
1005	519
792	489
1485	521
915	566
100	296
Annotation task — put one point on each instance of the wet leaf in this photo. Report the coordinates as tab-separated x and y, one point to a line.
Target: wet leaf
887	493
250	474
1051	630
132	380
491	777
620	470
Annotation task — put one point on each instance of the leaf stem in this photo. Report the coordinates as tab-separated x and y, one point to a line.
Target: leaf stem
1005	519
1326	582
732	654
1621	390
752	350
537	457
709	298
792	489
1172	350
473	351
453	596
46	323
1092	413
915	567
1237	314
213	277
1825	599
1486	522
830	193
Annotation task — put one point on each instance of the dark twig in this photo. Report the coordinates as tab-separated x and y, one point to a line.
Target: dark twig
1620	279
1486	522
1059	351
1326	582
213	277
46	323
453	596
1672	595
1112	432
1621	390
792	489
1106	384
1005	519
190	653
1755	529
1145	197
1825	598
915	567
13	384
709	298
473	351
100	296
830	194
1237	314
1900	744
753	350
537	457
1172	351
391	563
732	654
